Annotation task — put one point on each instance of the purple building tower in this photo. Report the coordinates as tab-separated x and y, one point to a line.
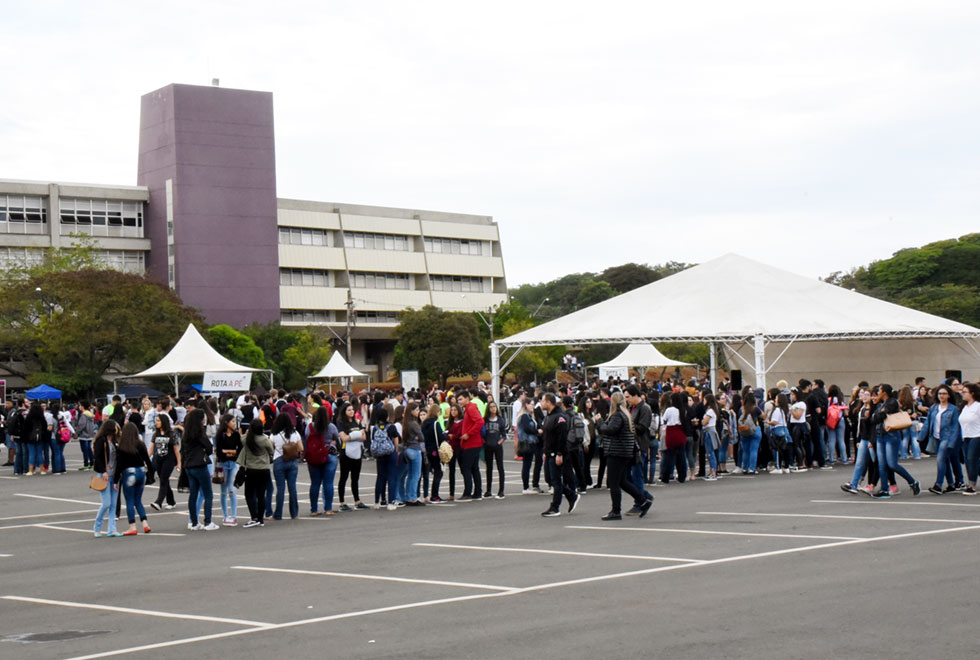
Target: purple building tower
207	155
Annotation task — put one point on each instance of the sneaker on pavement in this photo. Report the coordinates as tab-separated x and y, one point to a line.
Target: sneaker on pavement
551	513
574	503
251	523
848	488
645	508
893	490
612	516
529	491
155	505
635	511
498	496
775	471
882	495
210	527
169	506
935	490
969	490
916	488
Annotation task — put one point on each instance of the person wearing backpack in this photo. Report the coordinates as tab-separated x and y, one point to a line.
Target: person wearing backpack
285	464
384	448
16	430
35	430
60	437
750	435
85	428
322	439
576	443
227	446
493	449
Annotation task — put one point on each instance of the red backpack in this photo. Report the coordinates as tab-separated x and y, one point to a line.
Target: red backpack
316	449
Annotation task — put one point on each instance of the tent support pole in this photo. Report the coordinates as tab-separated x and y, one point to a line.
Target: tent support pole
714	368
495	370
760	361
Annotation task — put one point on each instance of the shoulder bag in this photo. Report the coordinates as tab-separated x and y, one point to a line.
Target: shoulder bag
100	483
897	421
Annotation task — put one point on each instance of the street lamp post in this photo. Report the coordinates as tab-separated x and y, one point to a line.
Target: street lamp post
535	312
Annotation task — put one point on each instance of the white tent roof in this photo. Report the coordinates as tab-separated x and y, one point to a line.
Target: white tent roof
192	355
642	355
737	298
337	367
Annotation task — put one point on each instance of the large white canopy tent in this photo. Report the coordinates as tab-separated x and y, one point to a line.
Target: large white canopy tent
745	307
192	355
337	367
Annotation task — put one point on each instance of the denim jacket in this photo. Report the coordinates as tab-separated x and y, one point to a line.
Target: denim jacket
949	426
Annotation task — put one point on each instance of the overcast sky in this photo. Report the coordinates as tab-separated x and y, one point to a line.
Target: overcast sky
812	136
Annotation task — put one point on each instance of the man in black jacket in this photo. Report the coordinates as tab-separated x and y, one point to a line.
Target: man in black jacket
555	445
642	416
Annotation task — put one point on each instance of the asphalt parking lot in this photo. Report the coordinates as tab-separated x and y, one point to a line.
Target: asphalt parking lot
780	566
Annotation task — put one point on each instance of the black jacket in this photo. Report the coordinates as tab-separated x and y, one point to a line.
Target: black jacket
617	438
555	433
642	420
195	452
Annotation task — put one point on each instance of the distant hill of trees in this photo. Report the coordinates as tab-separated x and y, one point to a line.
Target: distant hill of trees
941	278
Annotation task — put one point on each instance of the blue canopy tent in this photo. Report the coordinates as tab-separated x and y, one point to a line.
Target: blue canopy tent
43	392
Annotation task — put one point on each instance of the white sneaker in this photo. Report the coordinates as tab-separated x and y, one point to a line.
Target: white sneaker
195	528
737	470
190	525
169	506
392	506
528	491
210	527
775	471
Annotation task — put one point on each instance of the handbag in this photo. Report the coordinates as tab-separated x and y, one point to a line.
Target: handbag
897	421
219	475
240	477
98	483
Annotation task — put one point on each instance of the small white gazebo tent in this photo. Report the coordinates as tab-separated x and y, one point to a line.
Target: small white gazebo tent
641	355
336	367
192	355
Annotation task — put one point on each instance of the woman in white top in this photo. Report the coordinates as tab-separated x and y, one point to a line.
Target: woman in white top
285	463
970	427
675	441
779	432
798	430
709	433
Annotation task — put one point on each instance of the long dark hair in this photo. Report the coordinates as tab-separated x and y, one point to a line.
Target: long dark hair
223	423
321	420
782	401
194	427
253	431
283	424
165	430
109	430
130	440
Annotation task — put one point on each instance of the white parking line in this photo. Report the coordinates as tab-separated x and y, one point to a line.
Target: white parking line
44	515
556	552
89	531
129	610
383	578
832	517
59	499
704	531
890	501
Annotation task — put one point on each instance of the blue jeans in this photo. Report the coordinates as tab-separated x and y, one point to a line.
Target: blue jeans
20	457
972	459
836	444
200	495
651	472
229	494
88	459
321	479
888	455
285	473
107	508
34	451
57	454
386	479
413	472
133	481
711	437
948	463
861	462
908	442
199	483
750	450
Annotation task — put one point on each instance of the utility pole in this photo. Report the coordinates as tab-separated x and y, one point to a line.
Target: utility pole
350	320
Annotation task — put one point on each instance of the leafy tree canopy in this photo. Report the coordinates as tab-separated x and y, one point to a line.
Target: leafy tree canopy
438	343
237	346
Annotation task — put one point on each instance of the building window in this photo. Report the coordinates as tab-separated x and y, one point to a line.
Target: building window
361	240
458	283
127	261
453	246
23	215
301	236
305	316
19	257
379	280
101	217
303	277
376	317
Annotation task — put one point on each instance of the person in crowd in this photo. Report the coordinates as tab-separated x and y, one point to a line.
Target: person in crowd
864	461
576	442
434	436
908	444
60	435
148	412
586	408
709	432
104	465
384	434
888	441
799	430
285	463
970	431
527	440
352	436
470	443
196	452
942	431
132	461
322	442
750	435
642	419
35	436
85	429
166	458
619	441
675	441
494	430
256	459
227	446
836	425
555	441
412	447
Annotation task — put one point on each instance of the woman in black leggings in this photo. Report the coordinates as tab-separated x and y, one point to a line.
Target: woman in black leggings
352	440
166	457
619	443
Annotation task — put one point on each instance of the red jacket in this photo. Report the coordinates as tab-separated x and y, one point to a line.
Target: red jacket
472	426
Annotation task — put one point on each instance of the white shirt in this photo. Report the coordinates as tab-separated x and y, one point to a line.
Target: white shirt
710	418
970	420
278	440
672	417
937	421
799	405
777	418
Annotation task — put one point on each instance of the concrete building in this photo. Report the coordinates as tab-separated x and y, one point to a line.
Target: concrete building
207	191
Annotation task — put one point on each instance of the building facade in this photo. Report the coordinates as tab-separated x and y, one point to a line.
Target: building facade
205	219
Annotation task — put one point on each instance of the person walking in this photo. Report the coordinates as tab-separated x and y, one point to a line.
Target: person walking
618	439
256	459
104	465
942	429
529	436
970	431
555	442
888	441
227	446
196	452
166	458
470	442
132	461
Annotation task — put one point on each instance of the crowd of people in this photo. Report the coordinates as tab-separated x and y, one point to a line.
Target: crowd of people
418	441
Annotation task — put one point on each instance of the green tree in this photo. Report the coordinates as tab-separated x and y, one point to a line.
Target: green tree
531	361
438	343
307	355
69	328
592	292
236	346
629	276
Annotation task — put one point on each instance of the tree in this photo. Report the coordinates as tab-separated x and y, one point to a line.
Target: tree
236	346
629	276
69	328
304	358
592	292
530	361
439	344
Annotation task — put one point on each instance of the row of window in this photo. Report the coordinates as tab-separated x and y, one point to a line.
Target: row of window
457	283
101	212
16	209
377	317
379	280
13	257
131	261
298	236
453	246
326	316
369	241
303	277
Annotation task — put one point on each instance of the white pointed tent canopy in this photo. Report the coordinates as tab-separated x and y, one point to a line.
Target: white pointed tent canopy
337	367
642	355
192	355
759	305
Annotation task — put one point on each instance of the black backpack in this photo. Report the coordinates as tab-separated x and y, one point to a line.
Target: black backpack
576	430
15	423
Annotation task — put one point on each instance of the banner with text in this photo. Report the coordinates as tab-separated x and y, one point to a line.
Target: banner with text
618	373
219	381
